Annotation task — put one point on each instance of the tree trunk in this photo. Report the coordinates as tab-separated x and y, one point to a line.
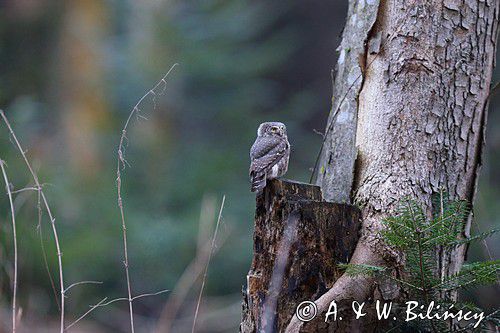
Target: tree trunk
421	107
413	79
336	172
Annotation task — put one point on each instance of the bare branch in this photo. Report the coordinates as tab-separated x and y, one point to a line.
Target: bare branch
49	212
121	163
150	294
31	188
103	303
44	252
321	134
79	283
14	236
92	308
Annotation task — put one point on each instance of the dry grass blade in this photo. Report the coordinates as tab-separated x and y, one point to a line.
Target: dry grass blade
122	162
214	238
14	236
49	212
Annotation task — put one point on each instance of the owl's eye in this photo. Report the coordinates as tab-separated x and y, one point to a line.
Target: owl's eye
274	129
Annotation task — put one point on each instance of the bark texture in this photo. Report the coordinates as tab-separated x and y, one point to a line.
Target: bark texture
299	239
423	106
422	109
336	165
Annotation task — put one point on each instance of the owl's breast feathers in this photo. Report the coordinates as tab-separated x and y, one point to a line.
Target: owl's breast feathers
265	153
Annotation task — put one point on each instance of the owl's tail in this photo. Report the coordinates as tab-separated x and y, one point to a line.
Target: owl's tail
258	181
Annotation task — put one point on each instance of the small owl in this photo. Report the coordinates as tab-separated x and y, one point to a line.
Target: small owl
269	154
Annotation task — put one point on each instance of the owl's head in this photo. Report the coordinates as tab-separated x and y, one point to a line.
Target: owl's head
272	128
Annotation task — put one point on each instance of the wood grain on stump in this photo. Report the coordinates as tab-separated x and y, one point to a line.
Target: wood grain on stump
298	241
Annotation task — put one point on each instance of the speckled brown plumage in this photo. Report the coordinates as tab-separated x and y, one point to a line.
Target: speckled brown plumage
269	154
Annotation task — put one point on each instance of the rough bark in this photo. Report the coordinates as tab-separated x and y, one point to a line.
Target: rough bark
299	239
423	106
422	109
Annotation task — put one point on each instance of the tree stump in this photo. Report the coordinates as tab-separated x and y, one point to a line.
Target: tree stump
298	241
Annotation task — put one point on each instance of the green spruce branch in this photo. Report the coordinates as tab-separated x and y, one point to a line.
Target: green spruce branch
423	240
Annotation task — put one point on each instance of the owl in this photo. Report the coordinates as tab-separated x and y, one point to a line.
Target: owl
269	154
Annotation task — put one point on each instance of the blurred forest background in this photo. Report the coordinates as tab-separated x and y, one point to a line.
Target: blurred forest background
70	72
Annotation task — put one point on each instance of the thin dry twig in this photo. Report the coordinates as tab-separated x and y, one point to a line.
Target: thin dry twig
494	89
92	308
79	283
103	303
14	236
208	263
42	246
40	234
193	271
49	212
121	163
29	188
